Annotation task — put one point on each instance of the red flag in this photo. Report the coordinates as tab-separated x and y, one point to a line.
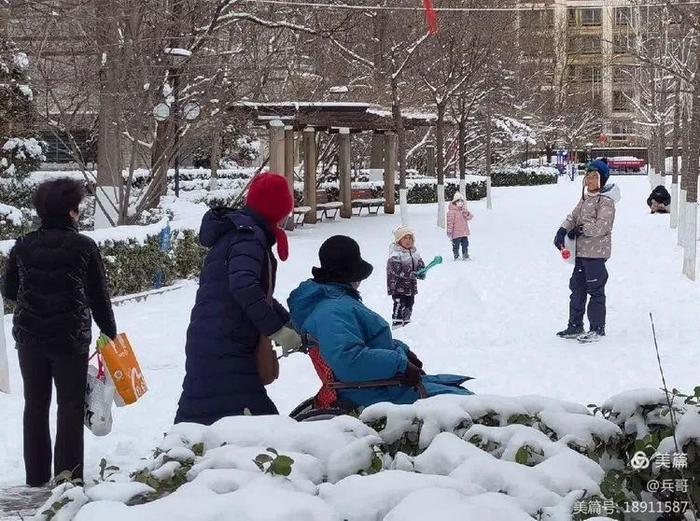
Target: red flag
430	16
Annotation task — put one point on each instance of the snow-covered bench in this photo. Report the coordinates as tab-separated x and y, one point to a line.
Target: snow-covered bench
299	214
329	210
325	208
362	198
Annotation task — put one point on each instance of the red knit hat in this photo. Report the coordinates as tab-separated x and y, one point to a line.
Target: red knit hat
270	196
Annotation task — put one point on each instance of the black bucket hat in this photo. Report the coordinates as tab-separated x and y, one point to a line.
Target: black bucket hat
341	261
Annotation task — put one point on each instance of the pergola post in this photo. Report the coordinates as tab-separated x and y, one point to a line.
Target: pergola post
344	179
310	174
377	153
277	146
289	156
389	172
289	161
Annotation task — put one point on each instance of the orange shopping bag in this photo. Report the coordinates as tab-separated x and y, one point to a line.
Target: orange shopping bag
123	369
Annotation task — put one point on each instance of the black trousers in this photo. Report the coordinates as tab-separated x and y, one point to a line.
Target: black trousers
40	371
403	308
588	280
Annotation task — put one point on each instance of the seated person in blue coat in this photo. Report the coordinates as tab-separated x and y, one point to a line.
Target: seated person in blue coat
354	341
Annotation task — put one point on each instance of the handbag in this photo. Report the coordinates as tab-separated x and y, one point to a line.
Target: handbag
123	369
99	395
266	358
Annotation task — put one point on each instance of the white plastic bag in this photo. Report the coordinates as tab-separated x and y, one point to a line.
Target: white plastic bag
4	364
99	396
570	244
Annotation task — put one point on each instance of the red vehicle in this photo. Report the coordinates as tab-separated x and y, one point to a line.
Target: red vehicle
626	163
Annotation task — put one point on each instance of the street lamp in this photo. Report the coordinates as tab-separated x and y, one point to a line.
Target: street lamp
189	112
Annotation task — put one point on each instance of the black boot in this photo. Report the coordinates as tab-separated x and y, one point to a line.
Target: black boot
571	332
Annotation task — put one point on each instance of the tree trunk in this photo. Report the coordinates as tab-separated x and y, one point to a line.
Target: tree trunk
376	158
683	192
676	139
661	158
440	144
400	133
689	257
462	153
215	157
488	161
109	185
379	83
440	156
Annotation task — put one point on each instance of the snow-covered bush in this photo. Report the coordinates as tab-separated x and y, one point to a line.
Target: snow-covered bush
523	178
14	221
21	156
454	457
20	151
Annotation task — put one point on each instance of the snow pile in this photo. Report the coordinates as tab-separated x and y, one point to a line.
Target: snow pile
687	431
636	410
569	422
465	456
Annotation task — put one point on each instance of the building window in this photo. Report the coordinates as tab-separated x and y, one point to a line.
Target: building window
622	128
58	149
591	75
621	101
623	74
622	16
536	20
584	44
591	17
590	45
621	43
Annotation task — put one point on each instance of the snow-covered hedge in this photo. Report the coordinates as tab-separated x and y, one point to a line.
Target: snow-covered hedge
135	256
419	191
447	457
540	176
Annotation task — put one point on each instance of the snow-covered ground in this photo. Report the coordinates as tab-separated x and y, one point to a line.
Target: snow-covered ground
493	318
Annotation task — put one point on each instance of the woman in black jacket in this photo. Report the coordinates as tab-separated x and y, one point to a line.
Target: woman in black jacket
56	277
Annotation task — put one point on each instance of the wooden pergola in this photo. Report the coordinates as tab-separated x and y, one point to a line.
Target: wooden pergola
285	119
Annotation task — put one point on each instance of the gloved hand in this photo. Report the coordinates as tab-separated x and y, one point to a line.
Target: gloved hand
420	276
559	238
575	232
288	339
414	359
412	375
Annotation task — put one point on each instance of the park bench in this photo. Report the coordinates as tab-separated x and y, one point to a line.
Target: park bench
362	198
325	208
299	214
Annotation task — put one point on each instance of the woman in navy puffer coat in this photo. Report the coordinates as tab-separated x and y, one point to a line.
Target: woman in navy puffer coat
232	310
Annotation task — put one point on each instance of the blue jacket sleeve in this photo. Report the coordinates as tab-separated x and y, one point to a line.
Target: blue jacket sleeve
344	350
245	267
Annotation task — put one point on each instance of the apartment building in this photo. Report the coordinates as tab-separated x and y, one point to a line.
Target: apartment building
586	44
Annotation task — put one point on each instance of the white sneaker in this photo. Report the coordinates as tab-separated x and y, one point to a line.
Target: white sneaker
589	338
